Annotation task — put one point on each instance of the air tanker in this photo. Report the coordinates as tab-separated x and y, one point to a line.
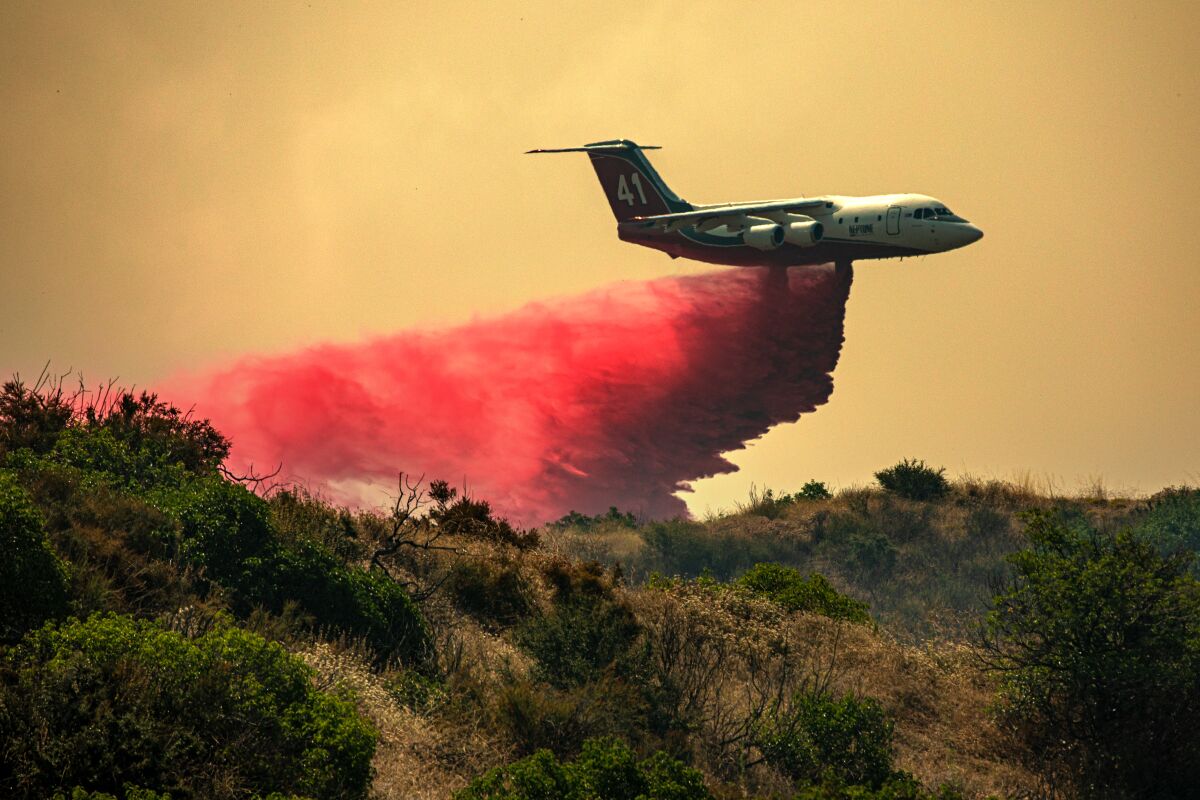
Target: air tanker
769	233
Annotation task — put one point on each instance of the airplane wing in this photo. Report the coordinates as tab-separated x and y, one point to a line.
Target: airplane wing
700	215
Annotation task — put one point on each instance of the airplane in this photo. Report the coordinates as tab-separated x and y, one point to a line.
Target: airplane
774	233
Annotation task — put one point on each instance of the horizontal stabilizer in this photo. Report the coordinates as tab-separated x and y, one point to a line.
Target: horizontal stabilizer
612	144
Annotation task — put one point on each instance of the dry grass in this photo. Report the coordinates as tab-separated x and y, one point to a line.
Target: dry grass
737	655
938	697
425	754
936	694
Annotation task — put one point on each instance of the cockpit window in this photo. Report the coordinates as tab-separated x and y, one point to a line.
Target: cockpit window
946	215
919	214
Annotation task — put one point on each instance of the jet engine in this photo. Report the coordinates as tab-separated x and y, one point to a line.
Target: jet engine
802	231
764	234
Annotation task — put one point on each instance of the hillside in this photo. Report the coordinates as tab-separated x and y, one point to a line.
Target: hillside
169	631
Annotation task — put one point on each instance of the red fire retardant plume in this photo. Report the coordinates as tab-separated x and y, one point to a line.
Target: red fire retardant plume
617	397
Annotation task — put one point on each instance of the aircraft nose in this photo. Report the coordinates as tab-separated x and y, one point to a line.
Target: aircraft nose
973	234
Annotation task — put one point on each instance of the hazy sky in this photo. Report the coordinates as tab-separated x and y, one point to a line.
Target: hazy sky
186	182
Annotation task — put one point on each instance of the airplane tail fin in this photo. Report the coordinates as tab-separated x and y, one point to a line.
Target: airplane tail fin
633	187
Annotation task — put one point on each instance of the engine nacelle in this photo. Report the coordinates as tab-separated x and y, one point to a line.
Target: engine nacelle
764	235
803	231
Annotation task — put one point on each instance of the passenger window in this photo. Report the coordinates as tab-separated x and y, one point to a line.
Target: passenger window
856	219
879	218
841	220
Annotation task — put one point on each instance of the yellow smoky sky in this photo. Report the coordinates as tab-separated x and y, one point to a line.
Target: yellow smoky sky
187	181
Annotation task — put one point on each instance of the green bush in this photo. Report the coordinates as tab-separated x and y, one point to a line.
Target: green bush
227	530
134	442
31	418
607	769
159	433
297	513
817	737
491	590
872	556
1172	519
791	589
1096	637
814	490
614	518
537	716
122	551
33	582
350	600
914	480
578	641
110	701
902	787
464	516
128	792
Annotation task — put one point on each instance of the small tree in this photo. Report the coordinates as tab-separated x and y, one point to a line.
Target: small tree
1097	640
914	480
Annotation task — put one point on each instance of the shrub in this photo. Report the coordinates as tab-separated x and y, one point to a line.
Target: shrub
351	600
128	792
578	641
464	516
159	432
32	418
1172	519
413	690
814	490
1096	637
299	514
110	701
901	787
607	769
134	441
872	556
536	716
122	551
817	737
914	480
571	580
789	588
227	530
33	582
491	590
767	504
573	519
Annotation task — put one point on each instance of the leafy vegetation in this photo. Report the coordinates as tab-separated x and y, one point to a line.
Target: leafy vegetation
109	701
794	591
818	737
606	769
171	632
914	480
1097	641
573	519
33	581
